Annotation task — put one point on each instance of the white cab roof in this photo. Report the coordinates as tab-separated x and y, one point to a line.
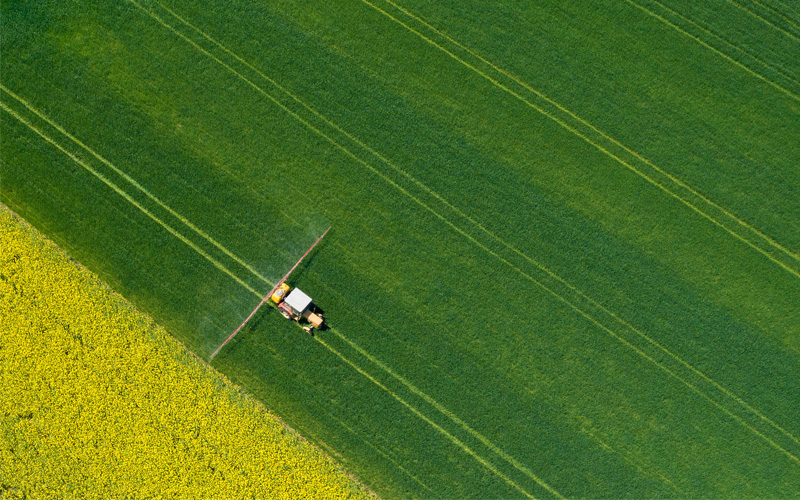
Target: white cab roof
298	300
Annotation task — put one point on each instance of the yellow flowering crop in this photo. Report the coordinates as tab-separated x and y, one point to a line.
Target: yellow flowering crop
98	402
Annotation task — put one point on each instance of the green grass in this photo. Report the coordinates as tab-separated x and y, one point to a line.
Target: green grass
538	278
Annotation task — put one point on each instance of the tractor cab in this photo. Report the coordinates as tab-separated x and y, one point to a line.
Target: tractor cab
296	306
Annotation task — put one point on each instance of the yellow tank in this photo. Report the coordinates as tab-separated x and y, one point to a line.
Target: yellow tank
280	293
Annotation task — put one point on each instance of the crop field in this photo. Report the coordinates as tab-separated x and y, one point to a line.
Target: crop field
565	255
98	402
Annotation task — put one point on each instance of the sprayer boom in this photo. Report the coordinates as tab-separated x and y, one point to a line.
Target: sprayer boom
271	292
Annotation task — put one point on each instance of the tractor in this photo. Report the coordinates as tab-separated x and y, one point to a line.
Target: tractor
297	306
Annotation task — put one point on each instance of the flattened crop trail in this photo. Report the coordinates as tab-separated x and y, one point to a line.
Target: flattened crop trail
379	452
549	281
638	156
125	195
657	176
441	409
765	20
228	272
133	182
581	294
433	424
727	42
702	42
449	414
794	23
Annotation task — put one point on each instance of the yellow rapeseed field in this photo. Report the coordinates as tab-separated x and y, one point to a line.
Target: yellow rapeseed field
98	402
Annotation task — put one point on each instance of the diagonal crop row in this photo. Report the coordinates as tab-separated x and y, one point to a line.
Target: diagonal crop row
150	212
773	11
648	348
671	185
410	188
717	42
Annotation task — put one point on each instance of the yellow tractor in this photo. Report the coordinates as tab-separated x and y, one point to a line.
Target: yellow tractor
296	306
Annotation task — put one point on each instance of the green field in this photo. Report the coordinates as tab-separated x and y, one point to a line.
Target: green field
565	255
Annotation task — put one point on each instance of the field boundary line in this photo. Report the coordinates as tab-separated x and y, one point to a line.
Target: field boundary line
763	19
293	425
250	289
617	158
143	269
433	424
471	238
710	47
133	182
438	406
125	195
